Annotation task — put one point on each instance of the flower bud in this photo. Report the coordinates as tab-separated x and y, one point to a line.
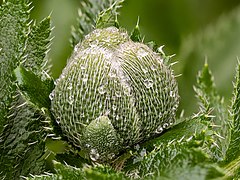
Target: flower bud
113	93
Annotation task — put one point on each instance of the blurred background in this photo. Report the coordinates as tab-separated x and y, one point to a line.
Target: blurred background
195	30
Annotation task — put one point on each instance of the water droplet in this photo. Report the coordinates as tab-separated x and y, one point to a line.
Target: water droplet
159	130
94	156
142	53
101	89
57	120
145	113
148	83
137	147
172	94
112	74
75	48
87	145
127	91
165	125
117	117
94	44
107	112
111	156
144	69
143	152
82	115
82	67
71	99
70	86
114	107
51	96
154	67
118	93
85	78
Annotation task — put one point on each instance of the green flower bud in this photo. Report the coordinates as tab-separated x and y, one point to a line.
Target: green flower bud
113	93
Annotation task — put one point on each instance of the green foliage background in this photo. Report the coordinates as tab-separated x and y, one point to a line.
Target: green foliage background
196	144
194	30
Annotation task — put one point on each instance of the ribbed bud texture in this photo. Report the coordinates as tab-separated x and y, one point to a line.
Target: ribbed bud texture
113	93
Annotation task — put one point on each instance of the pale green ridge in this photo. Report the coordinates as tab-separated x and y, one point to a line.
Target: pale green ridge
233	151
211	103
13	26
28	124
109	75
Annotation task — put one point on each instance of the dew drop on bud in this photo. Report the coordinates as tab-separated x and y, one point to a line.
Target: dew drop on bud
71	99
154	67
94	156
165	125
143	152
118	93
137	147
112	74
85	78
144	70
70	86
114	107
87	145
148	83
101	89
111	156
82	67
145	113
117	117
51	96
159	130
172	94
142	53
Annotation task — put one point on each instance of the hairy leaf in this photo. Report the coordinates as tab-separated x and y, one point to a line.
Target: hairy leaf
89	9
67	172
36	47
211	102
178	151
233	152
22	143
13	26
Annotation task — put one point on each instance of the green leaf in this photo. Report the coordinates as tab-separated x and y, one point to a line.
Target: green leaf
36	47
13	26
22	143
211	103
67	172
178	153
233	152
89	9
38	93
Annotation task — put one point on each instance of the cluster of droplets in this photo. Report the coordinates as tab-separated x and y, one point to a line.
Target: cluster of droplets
109	75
